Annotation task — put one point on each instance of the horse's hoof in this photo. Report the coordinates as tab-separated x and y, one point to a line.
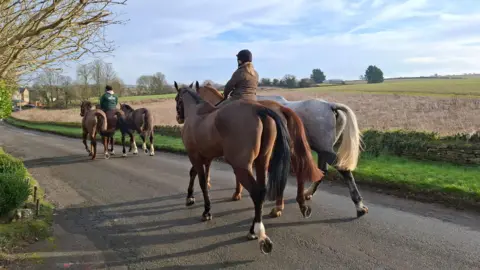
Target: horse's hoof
306	211
251	236
145	150
275	213
112	153
107	156
308	197
152	154
361	212
207	217
89	154
190	201
124	155
135	152
266	245
236	197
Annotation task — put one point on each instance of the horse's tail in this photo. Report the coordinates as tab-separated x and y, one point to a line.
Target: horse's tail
350	147
279	166
102	120
148	121
304	165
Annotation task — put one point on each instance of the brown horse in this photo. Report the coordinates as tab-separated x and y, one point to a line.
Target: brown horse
141	121
246	134
305	168
93	121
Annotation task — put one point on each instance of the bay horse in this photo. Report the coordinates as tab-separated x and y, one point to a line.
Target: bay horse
325	123
141	121
93	121
246	134
304	166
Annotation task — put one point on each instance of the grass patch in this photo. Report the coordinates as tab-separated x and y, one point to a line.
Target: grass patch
19	233
459	184
445	87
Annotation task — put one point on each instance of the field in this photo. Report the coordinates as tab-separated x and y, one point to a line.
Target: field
446	106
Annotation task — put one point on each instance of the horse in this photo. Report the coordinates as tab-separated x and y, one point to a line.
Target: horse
325	123
93	121
141	121
246	134
301	146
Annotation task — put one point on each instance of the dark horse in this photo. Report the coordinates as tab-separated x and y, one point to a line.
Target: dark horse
141	121
248	135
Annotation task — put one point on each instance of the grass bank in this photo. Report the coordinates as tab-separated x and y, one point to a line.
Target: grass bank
440	181
21	232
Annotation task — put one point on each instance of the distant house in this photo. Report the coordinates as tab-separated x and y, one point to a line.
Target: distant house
23	97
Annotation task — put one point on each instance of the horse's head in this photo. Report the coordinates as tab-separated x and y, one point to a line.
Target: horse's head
84	107
126	108
179	100
208	93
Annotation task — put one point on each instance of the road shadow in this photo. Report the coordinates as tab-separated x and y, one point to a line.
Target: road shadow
121	231
63	160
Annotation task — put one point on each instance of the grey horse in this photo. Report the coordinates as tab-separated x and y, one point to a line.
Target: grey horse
327	124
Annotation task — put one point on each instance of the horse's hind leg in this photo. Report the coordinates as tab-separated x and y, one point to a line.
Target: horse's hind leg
93	145
111	142
144	143
152	148
203	185
133	144
124	152
322	165
354	192
105	146
237	195
207	173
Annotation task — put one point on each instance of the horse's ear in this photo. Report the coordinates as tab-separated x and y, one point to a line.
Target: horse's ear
191	86
197	86
176	85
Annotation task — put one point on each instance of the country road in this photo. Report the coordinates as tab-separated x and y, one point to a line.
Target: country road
130	213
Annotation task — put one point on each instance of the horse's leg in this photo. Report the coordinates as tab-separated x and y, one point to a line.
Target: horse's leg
93	145
133	143
152	153
111	142
84	140
144	143
238	191
106	139
124	152
190	197
322	165
354	193
207	173
203	185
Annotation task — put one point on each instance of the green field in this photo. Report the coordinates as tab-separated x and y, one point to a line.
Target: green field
457	182
451	87
468	87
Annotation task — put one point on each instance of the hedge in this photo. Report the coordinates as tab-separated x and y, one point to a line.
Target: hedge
14	185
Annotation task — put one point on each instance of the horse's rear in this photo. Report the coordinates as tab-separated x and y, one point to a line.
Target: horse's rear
143	121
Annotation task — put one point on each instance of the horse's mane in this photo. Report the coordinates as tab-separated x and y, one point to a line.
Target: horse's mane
194	95
213	90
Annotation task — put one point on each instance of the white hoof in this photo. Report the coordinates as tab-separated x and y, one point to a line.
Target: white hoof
124	155
135	152
107	156
152	154
112	153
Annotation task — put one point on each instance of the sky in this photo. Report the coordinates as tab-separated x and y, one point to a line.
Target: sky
190	40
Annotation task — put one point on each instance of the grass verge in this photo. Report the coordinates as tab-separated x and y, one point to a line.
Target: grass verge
19	233
439	181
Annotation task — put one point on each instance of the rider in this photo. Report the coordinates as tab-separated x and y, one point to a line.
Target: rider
244	81
109	100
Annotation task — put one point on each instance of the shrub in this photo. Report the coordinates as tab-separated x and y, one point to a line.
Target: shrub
5	100
14	188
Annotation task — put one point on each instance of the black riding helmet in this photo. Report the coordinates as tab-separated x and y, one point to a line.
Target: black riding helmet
108	88
244	56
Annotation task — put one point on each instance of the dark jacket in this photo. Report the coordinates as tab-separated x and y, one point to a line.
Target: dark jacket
242	85
108	101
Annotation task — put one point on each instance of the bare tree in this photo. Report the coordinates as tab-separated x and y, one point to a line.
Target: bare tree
47	85
109	73
39	34
67	89
83	79
118	86
97	71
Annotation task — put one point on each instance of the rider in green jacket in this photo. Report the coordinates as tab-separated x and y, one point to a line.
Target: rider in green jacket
109	100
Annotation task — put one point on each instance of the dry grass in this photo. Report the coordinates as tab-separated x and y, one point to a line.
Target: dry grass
445	115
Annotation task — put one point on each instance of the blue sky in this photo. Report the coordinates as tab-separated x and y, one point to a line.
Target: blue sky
190	40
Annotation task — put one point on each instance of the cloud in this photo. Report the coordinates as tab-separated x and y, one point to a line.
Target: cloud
198	40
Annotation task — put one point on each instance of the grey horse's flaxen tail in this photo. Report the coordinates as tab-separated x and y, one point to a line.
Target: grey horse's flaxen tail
350	147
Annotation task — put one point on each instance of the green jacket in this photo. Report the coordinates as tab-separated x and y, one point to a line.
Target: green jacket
108	101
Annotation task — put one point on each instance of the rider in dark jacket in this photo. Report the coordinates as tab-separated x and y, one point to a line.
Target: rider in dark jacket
109	100
244	81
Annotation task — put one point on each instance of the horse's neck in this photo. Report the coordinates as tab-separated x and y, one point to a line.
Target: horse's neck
213	98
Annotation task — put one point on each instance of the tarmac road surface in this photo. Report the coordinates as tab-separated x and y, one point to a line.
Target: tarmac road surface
130	213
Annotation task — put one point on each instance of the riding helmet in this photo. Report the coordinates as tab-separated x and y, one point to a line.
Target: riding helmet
108	88
244	56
